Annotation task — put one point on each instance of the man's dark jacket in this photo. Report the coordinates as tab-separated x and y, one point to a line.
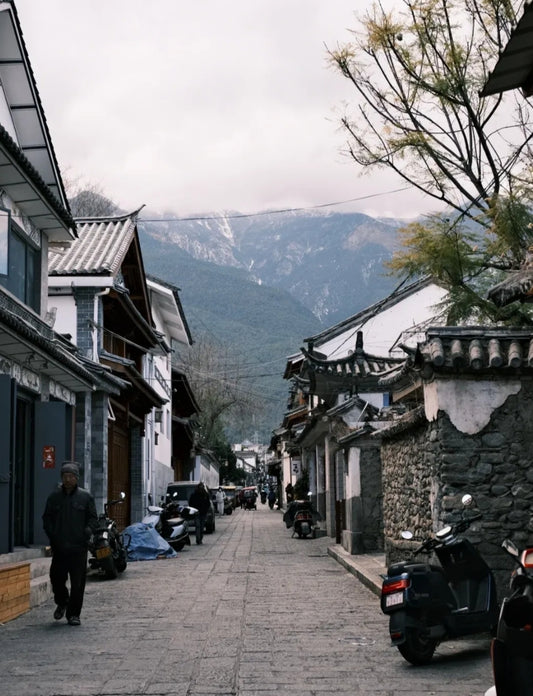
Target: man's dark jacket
69	519
200	500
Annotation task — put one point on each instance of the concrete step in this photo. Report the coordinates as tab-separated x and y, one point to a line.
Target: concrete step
39	560
40	587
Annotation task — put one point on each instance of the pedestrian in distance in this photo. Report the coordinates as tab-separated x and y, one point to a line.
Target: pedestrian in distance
220	501
69	519
201	501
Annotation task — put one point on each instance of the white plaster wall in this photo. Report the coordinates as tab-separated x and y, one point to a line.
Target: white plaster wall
65	316
353	478
468	403
383	330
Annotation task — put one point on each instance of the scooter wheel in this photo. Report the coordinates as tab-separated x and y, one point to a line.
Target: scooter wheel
109	568
418	648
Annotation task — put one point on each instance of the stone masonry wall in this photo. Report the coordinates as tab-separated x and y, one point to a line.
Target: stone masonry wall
429	466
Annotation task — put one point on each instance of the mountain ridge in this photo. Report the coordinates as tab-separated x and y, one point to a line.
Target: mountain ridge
262	283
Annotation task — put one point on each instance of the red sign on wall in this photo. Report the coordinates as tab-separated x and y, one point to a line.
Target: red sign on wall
49	457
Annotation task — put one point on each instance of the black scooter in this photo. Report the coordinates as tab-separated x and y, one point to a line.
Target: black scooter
428	604
107	546
512	649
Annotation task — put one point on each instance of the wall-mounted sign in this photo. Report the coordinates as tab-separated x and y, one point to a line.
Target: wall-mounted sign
49	457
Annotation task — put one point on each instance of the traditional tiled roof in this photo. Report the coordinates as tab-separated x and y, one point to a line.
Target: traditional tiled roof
476	349
515	65
360	368
100	248
27	147
517	286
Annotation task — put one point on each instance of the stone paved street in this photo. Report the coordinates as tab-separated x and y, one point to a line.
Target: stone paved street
251	612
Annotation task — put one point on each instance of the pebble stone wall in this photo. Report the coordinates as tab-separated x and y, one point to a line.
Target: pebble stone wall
429	466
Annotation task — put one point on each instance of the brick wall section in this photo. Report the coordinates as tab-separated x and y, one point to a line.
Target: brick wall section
137	475
430	465
14	590
84	298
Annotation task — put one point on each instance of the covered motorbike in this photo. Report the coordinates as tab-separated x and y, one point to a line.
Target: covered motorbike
512	649
108	554
170	520
429	603
301	516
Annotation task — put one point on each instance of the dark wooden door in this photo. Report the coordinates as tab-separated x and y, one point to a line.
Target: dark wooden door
119	473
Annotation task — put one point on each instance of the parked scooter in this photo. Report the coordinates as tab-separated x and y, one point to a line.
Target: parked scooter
301	516
512	649
107	545
428	603
171	521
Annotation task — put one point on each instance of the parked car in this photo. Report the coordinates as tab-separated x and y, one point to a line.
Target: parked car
228	506
184	489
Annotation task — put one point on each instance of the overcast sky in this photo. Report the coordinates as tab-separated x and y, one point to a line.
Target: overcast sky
193	106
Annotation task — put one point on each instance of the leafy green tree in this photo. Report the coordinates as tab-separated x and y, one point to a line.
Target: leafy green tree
417	74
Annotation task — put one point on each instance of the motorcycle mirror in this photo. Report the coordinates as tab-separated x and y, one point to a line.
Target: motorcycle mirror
407	535
149	498
444	532
511	549
467	500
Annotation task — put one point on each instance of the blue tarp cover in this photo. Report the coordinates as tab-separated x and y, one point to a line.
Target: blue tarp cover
144	543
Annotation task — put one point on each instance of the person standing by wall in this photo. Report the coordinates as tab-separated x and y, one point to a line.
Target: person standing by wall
220	501
69	519
201	501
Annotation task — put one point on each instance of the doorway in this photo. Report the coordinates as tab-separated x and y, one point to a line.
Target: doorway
22	474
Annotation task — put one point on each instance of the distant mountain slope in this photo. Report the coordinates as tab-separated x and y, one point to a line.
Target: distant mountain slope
263	283
331	262
264	325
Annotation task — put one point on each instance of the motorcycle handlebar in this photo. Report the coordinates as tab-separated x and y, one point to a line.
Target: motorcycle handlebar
429	544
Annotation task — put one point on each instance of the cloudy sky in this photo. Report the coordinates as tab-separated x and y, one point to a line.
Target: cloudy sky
193	106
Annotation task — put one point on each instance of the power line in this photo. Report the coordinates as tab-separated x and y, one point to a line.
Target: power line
273	212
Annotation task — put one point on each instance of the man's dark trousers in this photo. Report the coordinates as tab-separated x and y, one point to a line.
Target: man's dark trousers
73	565
200	523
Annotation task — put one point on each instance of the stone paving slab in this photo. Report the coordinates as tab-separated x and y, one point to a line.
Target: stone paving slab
251	612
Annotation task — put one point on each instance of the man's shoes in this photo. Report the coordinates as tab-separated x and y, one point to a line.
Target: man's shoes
74	621
59	613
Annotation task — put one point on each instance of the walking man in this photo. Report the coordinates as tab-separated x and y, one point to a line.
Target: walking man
202	502
69	519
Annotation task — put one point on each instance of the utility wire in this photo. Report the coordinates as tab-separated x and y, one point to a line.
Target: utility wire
273	212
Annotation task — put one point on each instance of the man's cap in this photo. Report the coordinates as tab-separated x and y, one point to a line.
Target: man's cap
70	468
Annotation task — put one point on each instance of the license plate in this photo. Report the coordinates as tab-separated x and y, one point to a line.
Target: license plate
393	599
103	552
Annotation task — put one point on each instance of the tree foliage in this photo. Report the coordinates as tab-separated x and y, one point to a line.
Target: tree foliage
89	200
417	74
216	377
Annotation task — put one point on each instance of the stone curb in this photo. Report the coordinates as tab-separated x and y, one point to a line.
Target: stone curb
366	567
